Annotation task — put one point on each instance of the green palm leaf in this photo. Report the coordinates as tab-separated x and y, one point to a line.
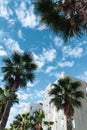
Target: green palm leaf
61	17
67	95
18	69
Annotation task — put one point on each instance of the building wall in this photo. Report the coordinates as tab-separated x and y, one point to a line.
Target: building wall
52	115
32	107
58	117
80	116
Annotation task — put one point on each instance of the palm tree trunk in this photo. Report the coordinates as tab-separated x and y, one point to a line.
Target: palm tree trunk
69	124
7	109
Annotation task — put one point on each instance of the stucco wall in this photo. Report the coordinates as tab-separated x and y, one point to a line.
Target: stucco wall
80	117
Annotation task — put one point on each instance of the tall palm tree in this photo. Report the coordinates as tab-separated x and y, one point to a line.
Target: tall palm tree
67	95
22	122
61	16
4	96
18	69
38	117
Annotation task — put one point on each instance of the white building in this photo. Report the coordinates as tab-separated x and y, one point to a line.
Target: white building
58	118
32	107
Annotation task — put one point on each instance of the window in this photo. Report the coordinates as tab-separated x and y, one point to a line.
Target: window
73	123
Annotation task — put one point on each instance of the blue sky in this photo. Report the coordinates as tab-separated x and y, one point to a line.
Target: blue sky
21	30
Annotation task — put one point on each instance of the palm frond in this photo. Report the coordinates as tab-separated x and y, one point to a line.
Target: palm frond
67	95
78	94
56	90
60	17
16	57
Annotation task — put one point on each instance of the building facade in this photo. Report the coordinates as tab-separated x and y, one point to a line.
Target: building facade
32	107
56	119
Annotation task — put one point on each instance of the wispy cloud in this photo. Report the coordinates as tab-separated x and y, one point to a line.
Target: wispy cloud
39	60
28	95
29	84
2	51
42	27
75	52
12	45
56	74
27	16
49	69
58	41
22	95
65	63
40	94
48	55
5	11
20	34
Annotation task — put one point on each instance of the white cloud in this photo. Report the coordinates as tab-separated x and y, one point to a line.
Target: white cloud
42	27
11	22
20	35
2	51
49	55
21	105
39	60
5	11
66	64
31	95
75	52
12	45
39	94
56	74
50	68
33	84
22	95
58	41
27	16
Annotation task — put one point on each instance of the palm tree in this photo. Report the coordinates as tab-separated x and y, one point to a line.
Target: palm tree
14	125
22	122
38	117
18	69
48	123
67	95
4	96
6	129
61	16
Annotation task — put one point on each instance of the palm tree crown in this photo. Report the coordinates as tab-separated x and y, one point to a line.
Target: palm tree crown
38	116
22	122
67	95
18	69
60	16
